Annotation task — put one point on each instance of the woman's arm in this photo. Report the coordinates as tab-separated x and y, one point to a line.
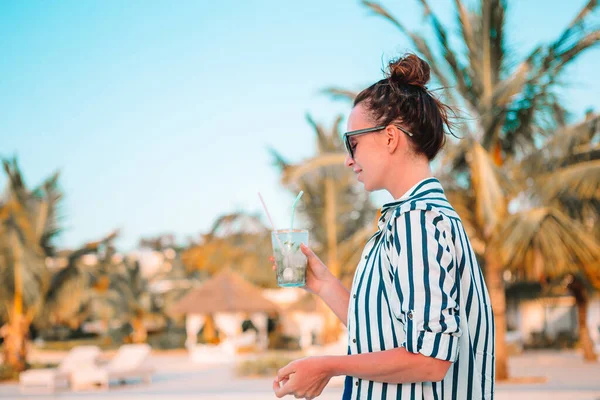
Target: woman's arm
391	366
337	297
320	281
307	377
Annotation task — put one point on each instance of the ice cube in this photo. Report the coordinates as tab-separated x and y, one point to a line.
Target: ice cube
288	274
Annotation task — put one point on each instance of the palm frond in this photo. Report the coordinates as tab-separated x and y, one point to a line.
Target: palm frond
324	160
535	113
581	180
278	160
448	54
336	137
567	145
419	42
473	51
577	24
322	142
237	222
50	223
570	54
586	211
69	289
453	159
493	114
490	205
575	39
543	242
581	154
535	78
486	56
379	10
33	271
340	94
16	183
511	86
498	8
326	142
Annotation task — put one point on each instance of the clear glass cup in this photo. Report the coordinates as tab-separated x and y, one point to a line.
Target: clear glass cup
291	262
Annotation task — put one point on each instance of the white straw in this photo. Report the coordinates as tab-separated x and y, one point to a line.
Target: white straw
272	224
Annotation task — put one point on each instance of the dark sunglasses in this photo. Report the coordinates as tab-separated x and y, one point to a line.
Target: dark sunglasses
348	135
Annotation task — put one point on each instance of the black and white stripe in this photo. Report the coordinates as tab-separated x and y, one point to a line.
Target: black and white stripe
419	286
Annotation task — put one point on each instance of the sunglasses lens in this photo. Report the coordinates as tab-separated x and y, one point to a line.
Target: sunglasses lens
347	144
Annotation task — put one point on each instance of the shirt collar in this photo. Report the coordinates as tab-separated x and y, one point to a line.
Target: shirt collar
426	188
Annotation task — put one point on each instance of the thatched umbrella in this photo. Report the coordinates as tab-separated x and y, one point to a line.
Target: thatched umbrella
226	292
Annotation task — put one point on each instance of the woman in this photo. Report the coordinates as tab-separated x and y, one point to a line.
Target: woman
419	320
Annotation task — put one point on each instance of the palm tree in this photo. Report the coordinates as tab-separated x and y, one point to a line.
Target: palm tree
547	237
120	289
238	241
24	216
338	212
70	289
28	225
515	109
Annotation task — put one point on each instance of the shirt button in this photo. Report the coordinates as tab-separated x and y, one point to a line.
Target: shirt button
410	315
354	295
356	383
353	340
366	257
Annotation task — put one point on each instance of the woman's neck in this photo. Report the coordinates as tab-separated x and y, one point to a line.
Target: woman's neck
406	175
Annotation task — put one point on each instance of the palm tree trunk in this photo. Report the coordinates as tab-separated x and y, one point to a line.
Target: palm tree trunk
140	334
331	328
15	350
577	288
331	226
493	272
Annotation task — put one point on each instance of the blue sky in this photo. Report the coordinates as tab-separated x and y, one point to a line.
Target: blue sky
159	115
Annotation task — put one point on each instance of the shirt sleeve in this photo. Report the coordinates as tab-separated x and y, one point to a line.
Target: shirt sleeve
421	255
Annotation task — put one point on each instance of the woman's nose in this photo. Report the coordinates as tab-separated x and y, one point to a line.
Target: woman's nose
349	162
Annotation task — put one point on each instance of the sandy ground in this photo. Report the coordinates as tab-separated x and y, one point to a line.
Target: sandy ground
542	375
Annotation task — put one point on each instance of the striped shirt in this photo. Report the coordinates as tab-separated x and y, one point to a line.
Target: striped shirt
419	286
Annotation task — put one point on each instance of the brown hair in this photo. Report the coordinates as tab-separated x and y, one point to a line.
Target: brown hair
402	98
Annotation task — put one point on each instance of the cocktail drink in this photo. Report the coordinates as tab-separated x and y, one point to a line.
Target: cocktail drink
291	262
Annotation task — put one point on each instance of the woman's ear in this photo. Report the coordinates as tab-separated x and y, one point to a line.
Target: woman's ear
393	137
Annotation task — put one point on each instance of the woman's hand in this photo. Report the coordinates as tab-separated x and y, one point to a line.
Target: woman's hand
305	378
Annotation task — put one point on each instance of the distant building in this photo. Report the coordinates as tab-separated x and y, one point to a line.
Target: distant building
550	317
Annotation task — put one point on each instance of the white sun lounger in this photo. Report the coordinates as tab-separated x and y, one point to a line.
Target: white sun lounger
131	361
49	378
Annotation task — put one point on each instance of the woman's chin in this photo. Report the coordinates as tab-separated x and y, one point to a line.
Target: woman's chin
366	186
369	187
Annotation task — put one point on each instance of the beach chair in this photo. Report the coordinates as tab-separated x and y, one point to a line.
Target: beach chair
131	361
49	378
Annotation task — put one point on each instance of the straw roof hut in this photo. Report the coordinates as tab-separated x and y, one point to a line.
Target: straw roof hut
225	292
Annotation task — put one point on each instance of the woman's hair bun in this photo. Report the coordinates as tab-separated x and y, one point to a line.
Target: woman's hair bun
409	70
